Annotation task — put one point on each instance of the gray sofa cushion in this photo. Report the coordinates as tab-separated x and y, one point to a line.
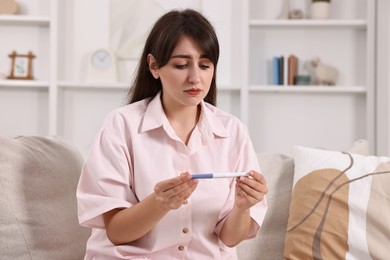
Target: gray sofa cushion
269	244
38	180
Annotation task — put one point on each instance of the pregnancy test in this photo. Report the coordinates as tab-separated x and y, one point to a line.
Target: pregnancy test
214	175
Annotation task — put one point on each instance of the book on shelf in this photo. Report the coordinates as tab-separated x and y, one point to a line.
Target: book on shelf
278	70
281	70
275	70
292	69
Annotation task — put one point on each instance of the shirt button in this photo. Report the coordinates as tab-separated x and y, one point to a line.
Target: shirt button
185	230
181	248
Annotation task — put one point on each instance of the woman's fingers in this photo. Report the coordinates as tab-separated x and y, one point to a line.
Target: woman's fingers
166	185
255	187
172	193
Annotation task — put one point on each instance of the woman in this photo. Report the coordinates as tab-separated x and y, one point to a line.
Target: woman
136	190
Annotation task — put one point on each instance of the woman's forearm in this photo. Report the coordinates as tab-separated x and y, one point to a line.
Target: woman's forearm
236	227
126	225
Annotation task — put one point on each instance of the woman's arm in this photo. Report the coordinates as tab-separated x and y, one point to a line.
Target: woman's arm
249	191
126	225
236	227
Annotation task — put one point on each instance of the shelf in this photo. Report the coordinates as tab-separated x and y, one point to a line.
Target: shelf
309	89
24	84
92	85
307	23
24	20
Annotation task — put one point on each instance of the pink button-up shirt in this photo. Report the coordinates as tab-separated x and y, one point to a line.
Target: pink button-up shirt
136	148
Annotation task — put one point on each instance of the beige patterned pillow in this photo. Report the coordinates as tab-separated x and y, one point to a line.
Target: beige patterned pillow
340	206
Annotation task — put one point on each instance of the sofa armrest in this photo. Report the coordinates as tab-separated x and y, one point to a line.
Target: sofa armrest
269	244
38	219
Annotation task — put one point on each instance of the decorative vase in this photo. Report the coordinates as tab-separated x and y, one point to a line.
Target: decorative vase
285	10
319	10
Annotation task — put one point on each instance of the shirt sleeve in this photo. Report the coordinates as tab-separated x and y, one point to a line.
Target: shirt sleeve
105	181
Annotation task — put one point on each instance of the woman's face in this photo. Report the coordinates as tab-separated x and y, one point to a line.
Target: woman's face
187	76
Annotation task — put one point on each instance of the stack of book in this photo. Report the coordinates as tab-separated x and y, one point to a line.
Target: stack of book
278	69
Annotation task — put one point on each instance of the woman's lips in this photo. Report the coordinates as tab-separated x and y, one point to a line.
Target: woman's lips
193	92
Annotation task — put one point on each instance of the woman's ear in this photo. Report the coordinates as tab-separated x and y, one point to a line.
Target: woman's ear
153	66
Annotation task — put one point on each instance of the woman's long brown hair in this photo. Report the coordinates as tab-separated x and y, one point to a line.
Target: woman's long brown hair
161	42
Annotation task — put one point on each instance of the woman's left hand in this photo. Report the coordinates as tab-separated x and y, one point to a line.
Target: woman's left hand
250	191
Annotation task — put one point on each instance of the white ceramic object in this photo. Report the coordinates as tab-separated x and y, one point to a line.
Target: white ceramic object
320	10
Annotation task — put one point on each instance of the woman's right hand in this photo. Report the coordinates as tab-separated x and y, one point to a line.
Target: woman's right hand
125	225
174	192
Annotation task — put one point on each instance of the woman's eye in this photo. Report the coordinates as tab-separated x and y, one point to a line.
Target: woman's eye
204	67
181	66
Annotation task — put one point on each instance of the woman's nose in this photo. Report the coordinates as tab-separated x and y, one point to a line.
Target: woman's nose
194	75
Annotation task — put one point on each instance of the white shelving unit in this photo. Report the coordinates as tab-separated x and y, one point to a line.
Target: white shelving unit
321	116
60	102
308	23
90	85
24	84
309	89
29	20
29	106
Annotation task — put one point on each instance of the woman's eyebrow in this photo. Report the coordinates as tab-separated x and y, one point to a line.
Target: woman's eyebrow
184	56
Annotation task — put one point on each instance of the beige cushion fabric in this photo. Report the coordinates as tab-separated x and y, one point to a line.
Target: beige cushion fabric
269	244
38	180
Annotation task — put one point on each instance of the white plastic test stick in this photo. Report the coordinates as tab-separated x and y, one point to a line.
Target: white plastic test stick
213	175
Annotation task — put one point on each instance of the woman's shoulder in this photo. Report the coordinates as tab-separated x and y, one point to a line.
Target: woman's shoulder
228	120
221	114
133	109
125	114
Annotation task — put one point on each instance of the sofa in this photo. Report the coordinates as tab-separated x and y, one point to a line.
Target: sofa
38	180
38	219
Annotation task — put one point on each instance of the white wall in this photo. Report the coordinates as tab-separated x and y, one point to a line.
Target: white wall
86	31
83	31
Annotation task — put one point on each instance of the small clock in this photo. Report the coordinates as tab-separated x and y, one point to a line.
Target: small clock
102	66
101	59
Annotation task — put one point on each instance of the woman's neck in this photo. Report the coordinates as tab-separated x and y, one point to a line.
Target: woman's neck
183	120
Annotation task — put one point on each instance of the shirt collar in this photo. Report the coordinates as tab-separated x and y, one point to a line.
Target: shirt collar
154	116
209	124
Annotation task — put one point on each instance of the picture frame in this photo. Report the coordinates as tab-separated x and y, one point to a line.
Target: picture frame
21	66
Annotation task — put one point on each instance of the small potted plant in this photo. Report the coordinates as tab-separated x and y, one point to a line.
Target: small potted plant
319	9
